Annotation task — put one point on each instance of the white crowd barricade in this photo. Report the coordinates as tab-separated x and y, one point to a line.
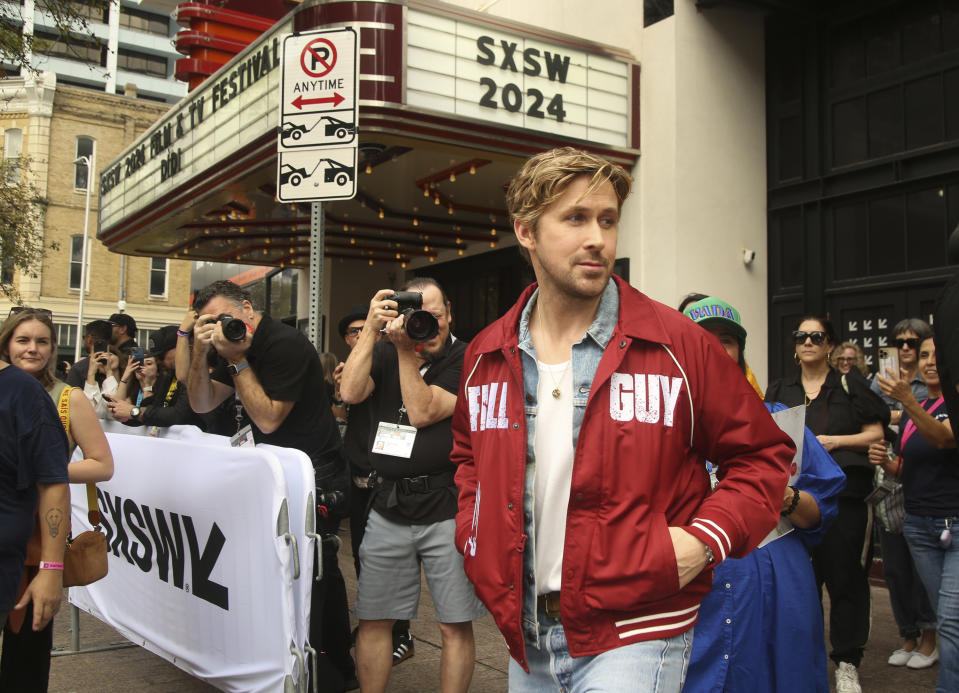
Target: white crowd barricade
198	572
301	486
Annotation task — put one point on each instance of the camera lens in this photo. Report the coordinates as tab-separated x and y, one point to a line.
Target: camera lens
234	329
421	326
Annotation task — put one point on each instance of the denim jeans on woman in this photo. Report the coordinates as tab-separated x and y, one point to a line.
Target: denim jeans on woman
938	568
653	666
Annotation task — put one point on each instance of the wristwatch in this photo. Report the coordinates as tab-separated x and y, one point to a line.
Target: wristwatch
135	413
234	370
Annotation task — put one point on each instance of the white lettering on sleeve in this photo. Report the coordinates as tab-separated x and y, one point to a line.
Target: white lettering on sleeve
620	403
491	406
473	395
502	421
484	402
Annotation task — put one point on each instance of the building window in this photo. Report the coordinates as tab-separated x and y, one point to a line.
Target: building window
12	151
84	49
6	267
144	63
656	10
81	173
138	20
158	275
76	262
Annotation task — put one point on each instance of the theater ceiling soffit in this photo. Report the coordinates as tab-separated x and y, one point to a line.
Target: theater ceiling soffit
203	188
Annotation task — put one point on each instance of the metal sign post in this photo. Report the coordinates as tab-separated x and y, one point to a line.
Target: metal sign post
316	274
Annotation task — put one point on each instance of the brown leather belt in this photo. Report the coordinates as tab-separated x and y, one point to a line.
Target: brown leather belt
549	603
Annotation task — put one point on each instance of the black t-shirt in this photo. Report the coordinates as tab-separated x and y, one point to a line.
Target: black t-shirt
835	412
947	348
356	440
33	449
289	370
433	444
930	477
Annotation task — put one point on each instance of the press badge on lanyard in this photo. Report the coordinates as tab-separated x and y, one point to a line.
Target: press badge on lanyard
243	438
394	438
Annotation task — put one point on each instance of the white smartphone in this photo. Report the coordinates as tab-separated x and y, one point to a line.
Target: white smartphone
888	361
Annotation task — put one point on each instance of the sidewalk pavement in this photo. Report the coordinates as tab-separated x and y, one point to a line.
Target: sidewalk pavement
136	669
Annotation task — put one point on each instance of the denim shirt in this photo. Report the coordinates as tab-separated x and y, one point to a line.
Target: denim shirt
586	354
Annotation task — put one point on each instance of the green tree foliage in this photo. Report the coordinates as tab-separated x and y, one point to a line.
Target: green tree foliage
22	210
69	21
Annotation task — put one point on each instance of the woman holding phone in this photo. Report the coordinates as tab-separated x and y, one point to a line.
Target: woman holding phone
28	341
106	363
846	417
138	381
928	465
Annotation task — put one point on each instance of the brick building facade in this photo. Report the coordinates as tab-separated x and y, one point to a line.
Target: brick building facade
53	125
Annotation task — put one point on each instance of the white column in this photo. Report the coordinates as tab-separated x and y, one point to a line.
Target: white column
113	45
28	10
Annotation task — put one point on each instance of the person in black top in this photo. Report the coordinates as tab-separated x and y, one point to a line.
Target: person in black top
33	476
167	403
846	417
124	333
947	338
412	387
93	332
929	467
275	374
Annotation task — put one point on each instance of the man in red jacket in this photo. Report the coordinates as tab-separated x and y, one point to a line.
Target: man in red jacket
581	429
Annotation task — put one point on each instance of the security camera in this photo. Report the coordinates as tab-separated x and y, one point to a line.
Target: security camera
748	256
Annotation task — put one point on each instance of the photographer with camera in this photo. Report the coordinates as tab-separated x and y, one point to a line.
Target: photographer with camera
412	382
274	374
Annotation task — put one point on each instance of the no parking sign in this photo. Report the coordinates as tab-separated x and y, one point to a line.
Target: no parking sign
318	117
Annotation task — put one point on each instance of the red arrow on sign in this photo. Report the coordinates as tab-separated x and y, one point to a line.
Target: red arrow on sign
336	100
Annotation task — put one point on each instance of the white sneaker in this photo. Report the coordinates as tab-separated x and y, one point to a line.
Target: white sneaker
847	679
921	661
900	657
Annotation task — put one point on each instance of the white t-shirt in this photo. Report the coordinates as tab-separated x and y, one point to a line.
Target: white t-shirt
553	447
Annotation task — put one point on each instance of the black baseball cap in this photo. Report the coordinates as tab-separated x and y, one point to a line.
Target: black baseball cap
162	341
356	313
127	321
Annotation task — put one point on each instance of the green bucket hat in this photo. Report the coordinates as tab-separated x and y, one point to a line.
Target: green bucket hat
715	311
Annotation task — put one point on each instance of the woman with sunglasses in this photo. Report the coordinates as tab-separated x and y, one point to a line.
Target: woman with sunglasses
846	417
928	464
911	607
28	341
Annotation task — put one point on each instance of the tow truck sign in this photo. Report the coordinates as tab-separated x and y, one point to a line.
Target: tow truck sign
318	116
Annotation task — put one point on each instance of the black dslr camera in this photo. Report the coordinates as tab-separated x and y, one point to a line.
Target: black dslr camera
420	325
234	329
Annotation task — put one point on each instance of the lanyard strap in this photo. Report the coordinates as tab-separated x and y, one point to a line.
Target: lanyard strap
910	427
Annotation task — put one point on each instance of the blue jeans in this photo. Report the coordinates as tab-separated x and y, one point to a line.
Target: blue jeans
653	666
938	568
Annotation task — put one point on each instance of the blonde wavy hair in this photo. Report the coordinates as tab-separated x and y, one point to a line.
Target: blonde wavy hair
544	178
860	356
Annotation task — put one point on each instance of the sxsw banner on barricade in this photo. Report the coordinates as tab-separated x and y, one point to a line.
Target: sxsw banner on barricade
198	573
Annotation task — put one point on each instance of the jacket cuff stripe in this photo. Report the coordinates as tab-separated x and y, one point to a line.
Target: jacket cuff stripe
656	617
653	629
729	544
711	535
